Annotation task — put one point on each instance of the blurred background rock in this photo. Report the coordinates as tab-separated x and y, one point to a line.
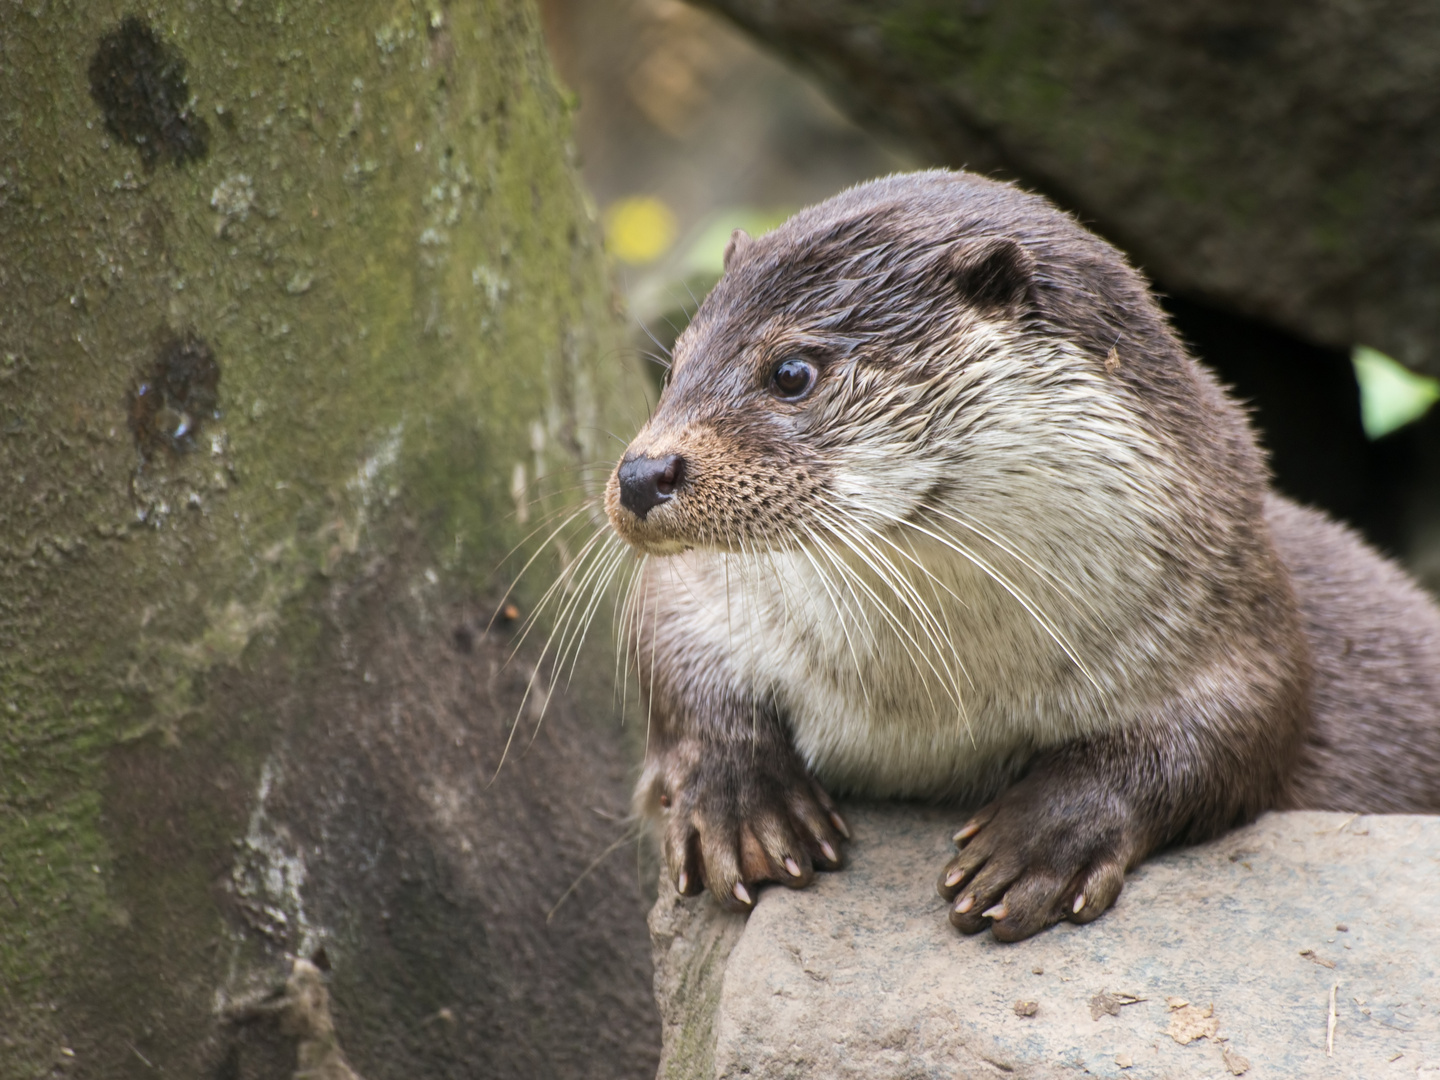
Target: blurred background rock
688	128
686	131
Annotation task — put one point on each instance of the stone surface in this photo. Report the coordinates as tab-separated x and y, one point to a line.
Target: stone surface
862	976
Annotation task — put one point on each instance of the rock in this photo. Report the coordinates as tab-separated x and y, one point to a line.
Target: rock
862	976
1278	159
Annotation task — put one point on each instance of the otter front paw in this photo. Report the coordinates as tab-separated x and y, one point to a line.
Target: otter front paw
734	819
1032	858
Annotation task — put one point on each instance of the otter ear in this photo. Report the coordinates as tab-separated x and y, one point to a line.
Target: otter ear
739	240
997	273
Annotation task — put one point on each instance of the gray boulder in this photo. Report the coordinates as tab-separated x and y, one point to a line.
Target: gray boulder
1218	960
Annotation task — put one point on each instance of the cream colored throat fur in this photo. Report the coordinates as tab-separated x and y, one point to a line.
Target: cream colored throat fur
904	668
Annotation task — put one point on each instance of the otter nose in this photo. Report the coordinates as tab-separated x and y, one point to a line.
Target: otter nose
646	482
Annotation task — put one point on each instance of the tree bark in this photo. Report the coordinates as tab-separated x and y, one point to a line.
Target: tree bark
297	301
1278	160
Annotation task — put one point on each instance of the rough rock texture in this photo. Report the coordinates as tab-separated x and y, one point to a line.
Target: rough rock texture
861	975
1279	159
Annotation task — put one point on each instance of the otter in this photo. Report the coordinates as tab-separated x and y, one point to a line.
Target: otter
935	505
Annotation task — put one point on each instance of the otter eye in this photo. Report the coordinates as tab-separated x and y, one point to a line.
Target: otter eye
792	377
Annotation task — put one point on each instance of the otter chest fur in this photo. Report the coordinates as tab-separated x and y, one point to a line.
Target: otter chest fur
934	504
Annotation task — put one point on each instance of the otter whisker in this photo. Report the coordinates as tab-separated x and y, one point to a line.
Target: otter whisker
595	585
879	565
932	580
909	598
531	561
910	557
768	554
568	512
599	588
629	636
654	340
561	586
913	651
631	834
913	598
831	591
729	615
842	605
620	632
590	507
594	565
1041	619
560	582
745	565
585	485
755	637
907	640
1013	550
650	695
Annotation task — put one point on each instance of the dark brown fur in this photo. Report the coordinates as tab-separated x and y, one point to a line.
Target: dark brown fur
1297	667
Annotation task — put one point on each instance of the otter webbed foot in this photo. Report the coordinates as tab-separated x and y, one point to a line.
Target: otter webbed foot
1035	856
733	820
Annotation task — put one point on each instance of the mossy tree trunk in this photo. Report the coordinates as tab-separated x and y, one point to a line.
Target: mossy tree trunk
296	302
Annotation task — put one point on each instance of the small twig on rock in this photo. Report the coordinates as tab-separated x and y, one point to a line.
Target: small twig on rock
1310	954
1107	1004
1330	1026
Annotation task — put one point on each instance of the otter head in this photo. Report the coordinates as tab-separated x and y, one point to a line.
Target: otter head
836	372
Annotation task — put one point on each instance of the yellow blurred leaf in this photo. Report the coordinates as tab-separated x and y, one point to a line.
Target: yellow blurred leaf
639	229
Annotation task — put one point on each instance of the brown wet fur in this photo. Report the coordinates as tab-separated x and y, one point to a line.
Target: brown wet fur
1309	666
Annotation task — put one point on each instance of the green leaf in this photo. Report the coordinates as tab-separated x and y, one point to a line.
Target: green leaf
1391	395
